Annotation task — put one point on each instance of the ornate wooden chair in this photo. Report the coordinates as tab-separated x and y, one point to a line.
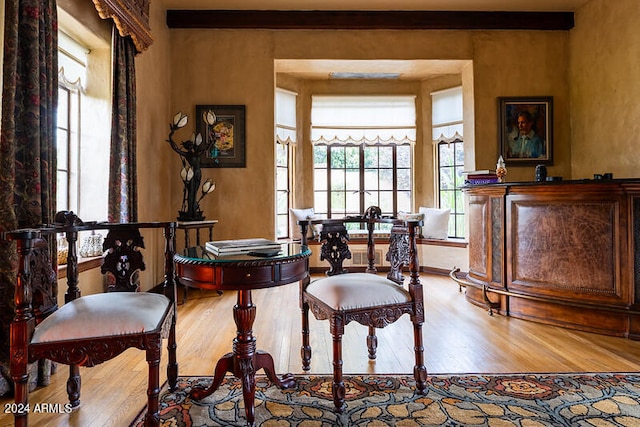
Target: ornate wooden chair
367	298
88	330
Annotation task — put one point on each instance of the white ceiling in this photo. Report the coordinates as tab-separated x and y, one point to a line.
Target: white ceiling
469	5
409	70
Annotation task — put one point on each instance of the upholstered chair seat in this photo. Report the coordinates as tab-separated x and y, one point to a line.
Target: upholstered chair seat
104	315
357	290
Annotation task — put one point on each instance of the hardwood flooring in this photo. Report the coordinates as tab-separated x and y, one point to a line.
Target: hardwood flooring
459	338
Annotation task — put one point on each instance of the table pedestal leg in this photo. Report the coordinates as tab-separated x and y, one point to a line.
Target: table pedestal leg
245	359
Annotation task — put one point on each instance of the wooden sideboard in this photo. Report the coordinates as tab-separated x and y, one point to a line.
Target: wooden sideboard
562	253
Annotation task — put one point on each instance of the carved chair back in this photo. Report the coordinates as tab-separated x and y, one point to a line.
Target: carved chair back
122	260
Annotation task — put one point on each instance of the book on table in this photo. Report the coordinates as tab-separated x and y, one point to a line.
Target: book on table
241	246
480	177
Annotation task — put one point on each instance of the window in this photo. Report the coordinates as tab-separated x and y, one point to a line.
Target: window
362	154
285	139
447	136
72	74
84	121
450	179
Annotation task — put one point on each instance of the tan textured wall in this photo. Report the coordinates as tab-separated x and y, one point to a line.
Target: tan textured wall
605	88
159	186
158	166
236	67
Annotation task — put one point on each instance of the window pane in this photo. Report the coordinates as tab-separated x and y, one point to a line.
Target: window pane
282	179
352	157
459	202
282	201
459	176
460	230
62	147
371	179
404	179
353	203
403	153
371	157
404	201
371	200
459	149
337	157
337	179
386	202
320	156
447	199
62	192
446	178
353	179
281	155
386	157
446	154
386	179
320	179
320	202
63	108
282	226
338	202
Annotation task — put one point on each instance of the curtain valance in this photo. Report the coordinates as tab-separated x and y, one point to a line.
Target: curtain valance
131	17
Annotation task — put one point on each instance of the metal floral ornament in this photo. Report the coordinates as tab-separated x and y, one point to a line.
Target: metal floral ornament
190	152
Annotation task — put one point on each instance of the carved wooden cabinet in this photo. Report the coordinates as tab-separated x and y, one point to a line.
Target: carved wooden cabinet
562	253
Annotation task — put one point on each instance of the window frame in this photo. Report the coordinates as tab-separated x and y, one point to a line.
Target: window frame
456	227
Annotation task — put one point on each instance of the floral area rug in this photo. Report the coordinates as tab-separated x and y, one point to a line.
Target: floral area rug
525	400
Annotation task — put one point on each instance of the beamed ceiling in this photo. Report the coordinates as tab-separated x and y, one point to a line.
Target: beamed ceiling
542	15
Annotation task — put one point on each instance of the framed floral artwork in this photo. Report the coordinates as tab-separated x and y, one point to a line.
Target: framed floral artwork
226	136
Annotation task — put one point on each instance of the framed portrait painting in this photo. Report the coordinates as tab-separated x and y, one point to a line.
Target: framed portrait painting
226	136
526	130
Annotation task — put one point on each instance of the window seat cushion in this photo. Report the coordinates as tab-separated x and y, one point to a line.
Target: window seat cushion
103	315
436	223
357	290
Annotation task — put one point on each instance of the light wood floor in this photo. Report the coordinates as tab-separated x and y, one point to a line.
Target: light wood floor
459	338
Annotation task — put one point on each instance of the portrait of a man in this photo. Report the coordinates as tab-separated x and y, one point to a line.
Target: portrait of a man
525	127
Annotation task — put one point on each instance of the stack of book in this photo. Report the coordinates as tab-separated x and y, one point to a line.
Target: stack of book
242	246
480	177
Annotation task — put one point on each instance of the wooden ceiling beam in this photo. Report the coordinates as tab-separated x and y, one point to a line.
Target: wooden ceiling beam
369	20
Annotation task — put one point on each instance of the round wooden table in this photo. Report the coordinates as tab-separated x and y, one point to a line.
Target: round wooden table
198	268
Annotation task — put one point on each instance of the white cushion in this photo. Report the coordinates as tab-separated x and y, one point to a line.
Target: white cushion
103	315
357	290
436	223
301	215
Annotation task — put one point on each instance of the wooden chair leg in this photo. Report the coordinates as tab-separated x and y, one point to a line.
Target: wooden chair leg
305	350
154	349
372	342
419	370
338	390
73	385
172	364
21	395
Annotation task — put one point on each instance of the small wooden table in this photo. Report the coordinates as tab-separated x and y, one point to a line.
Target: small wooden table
198	268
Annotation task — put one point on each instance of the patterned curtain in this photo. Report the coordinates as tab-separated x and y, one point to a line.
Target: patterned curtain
123	195
27	146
